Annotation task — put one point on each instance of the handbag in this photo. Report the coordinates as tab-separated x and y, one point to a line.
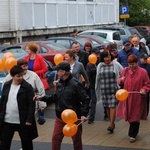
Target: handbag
44	81
41	120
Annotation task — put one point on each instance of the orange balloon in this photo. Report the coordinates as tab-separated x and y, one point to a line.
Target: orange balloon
10	63
122	94
7	55
148	60
70	130
69	116
92	59
58	58
2	67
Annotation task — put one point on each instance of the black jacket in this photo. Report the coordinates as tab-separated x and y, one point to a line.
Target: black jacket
70	94
26	107
83	57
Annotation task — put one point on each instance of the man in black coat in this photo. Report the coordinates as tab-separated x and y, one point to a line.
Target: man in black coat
82	56
70	94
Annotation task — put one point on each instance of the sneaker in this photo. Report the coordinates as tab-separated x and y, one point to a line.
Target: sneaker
132	139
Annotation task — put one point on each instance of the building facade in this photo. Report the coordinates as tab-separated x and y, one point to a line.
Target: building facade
22	19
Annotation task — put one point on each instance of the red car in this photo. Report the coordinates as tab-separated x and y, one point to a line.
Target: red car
99	40
46	49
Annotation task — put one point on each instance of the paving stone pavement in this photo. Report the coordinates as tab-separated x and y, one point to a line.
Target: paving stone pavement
95	136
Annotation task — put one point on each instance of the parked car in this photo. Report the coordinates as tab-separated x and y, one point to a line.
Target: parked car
95	40
112	36
67	42
19	53
143	30
13	49
46	49
125	31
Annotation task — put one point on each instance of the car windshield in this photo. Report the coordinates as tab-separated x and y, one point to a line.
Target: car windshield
82	41
55	46
133	31
101	39
13	50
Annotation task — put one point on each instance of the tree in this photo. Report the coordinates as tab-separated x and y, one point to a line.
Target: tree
139	11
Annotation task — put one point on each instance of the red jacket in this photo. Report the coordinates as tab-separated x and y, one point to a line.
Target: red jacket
39	66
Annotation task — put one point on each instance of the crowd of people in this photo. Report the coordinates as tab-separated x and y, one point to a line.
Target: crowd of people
80	86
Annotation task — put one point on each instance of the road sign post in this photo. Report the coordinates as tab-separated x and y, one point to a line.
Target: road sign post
124	13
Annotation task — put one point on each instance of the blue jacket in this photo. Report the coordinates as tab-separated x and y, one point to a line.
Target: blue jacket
123	56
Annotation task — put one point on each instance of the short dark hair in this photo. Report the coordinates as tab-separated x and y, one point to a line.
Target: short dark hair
75	42
16	70
105	53
75	30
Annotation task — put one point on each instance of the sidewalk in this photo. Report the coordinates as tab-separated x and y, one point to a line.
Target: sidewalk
95	136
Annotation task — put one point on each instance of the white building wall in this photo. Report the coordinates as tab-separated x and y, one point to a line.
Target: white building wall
39	14
46	14
9	15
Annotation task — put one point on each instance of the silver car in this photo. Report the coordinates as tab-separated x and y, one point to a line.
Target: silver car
112	36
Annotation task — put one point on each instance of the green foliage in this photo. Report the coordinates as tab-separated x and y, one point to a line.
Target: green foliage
139	11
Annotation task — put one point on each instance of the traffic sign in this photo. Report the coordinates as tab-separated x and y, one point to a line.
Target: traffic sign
124	12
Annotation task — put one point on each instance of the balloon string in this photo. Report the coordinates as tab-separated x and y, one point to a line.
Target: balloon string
83	120
80	123
134	92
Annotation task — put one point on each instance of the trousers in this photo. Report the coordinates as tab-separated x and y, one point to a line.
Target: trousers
7	134
58	136
134	129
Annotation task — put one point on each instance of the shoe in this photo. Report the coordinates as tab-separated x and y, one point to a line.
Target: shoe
90	122
132	139
111	128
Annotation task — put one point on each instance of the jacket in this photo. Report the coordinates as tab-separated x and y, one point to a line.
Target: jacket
79	70
83	57
91	72
123	56
117	70
32	78
39	66
26	106
70	94
134	107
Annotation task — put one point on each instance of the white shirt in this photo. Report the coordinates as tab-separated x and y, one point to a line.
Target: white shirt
12	112
71	67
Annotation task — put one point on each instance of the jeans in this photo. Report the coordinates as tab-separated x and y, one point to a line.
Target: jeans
93	105
58	136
